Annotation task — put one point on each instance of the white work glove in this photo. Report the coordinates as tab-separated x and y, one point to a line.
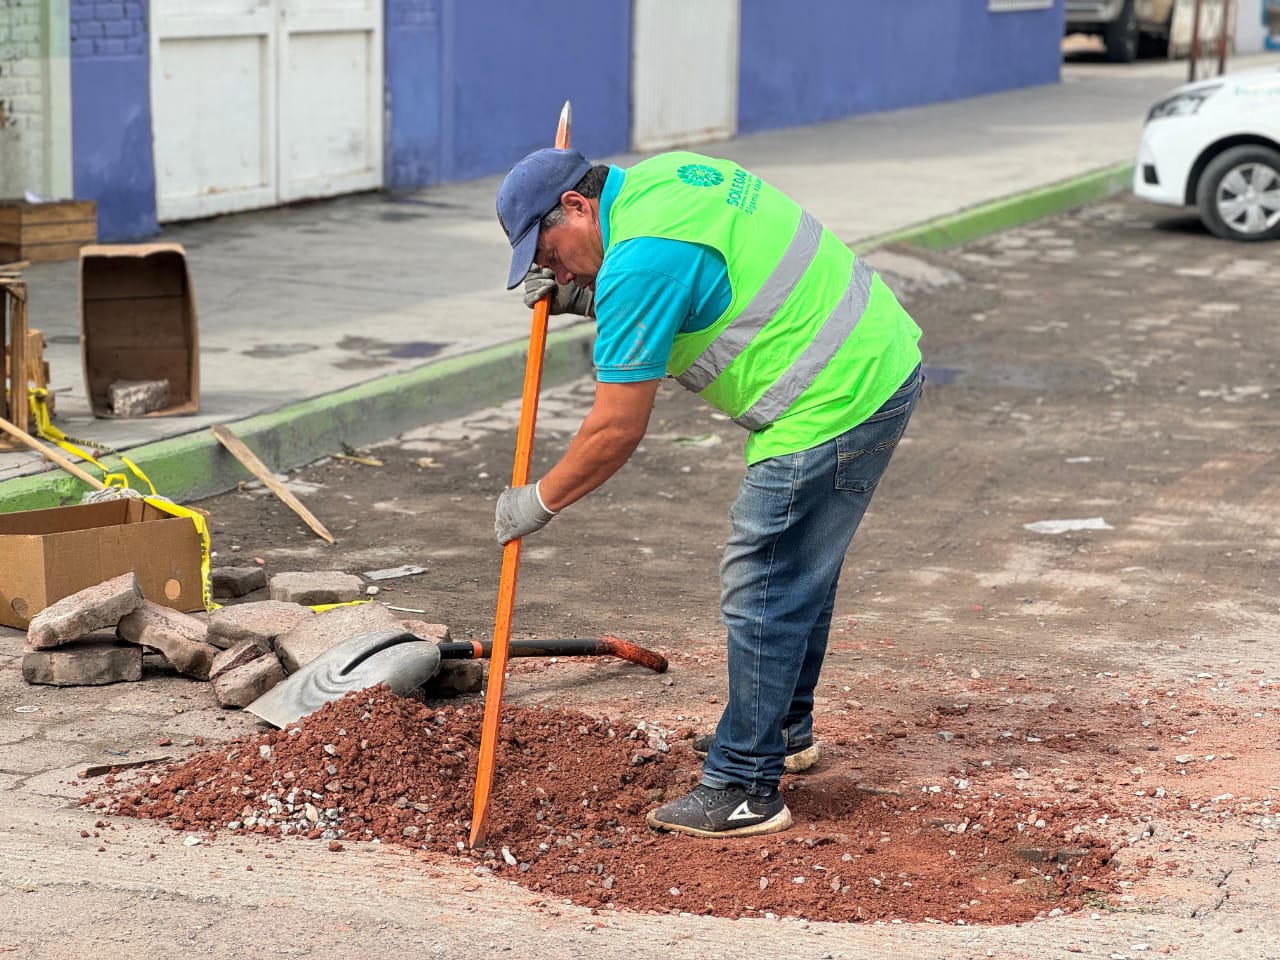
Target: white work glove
520	512
565	298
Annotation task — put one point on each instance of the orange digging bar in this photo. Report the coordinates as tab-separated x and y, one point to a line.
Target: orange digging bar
511	552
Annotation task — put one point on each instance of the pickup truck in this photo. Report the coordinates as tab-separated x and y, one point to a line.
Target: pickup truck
1127	27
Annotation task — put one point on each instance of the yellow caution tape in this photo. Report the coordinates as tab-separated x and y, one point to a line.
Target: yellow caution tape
322	607
44	427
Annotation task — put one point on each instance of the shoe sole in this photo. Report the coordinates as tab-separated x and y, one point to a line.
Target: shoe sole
777	823
796	762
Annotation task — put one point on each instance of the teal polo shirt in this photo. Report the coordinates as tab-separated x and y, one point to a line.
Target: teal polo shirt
647	290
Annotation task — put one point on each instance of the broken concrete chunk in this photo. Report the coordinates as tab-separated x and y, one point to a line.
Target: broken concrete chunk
135	398
83	663
242	685
310	638
231	582
81	613
180	639
236	656
435	632
261	622
324	586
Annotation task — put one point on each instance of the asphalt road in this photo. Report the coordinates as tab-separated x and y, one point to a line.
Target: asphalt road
1112	371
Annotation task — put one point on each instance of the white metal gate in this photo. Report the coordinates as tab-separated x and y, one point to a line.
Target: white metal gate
258	102
684	72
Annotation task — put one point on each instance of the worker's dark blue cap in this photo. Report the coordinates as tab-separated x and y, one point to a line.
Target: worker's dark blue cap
528	193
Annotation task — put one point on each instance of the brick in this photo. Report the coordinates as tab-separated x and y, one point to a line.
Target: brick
180	639
134	398
109	11
313	637
82	48
121	28
436	632
231	582
261	622
85	663
456	677
234	657
81	613
113	47
242	685
324	586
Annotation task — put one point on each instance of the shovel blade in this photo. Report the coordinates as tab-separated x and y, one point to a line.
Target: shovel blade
397	658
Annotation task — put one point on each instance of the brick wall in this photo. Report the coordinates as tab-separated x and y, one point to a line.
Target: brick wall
21	98
110	29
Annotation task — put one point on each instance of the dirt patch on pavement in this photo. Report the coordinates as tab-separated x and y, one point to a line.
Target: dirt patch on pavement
568	808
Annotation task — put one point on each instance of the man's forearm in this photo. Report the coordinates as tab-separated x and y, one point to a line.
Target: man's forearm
594	455
609	435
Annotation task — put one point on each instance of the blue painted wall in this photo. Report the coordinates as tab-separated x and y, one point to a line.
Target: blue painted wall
111	117
474	85
815	60
413	154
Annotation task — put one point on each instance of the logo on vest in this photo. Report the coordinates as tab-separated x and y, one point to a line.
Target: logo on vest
700	175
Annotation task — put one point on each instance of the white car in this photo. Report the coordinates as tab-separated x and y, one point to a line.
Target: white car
1216	144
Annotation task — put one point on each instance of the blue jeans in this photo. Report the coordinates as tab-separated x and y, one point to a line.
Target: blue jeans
792	523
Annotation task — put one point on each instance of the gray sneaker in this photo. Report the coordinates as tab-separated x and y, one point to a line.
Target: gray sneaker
731	812
800	756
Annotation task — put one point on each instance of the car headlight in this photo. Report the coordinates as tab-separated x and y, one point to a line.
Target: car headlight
1182	104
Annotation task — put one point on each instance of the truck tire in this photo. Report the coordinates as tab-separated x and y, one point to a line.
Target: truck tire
1239	193
1121	35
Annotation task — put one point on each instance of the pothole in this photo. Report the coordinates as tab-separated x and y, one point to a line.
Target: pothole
567	818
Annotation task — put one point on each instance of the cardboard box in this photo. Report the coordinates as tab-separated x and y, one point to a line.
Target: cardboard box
55	230
138	322
46	555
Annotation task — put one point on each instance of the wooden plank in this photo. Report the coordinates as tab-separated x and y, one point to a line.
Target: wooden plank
63	231
259	469
47	252
15	409
55	211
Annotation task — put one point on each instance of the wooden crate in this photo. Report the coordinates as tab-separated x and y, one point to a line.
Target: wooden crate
13	346
46	231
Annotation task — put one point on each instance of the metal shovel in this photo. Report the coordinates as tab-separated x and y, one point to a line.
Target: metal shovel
405	662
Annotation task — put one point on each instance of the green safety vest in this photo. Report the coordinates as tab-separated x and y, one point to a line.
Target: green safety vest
812	342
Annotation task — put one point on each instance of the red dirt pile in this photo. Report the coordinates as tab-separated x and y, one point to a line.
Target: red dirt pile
567	818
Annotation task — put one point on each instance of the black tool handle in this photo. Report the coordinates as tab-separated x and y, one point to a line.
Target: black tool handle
605	646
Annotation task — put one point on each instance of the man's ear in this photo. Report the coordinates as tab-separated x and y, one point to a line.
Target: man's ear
572	200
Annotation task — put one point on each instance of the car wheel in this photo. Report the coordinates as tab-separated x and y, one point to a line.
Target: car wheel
1121	36
1239	193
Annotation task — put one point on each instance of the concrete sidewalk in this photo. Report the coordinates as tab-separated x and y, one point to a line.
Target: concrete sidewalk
354	319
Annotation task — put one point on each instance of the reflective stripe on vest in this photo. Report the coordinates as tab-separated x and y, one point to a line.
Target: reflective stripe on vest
734	338
784	391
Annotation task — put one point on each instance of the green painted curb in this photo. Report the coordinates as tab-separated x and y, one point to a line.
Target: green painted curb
195	465
1012	211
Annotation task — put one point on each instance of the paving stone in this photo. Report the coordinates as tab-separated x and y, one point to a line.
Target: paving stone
178	638
242	685
437	632
231	582
261	621
83	612
310	638
83	663
456	677
237	656
135	398
322	586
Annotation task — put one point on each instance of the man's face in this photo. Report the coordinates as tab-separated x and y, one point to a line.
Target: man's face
574	249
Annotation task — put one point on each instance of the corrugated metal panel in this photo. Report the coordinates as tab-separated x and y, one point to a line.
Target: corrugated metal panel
684	69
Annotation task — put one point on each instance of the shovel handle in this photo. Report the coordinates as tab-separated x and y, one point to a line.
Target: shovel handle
605	646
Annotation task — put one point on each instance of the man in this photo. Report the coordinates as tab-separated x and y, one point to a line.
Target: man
696	269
